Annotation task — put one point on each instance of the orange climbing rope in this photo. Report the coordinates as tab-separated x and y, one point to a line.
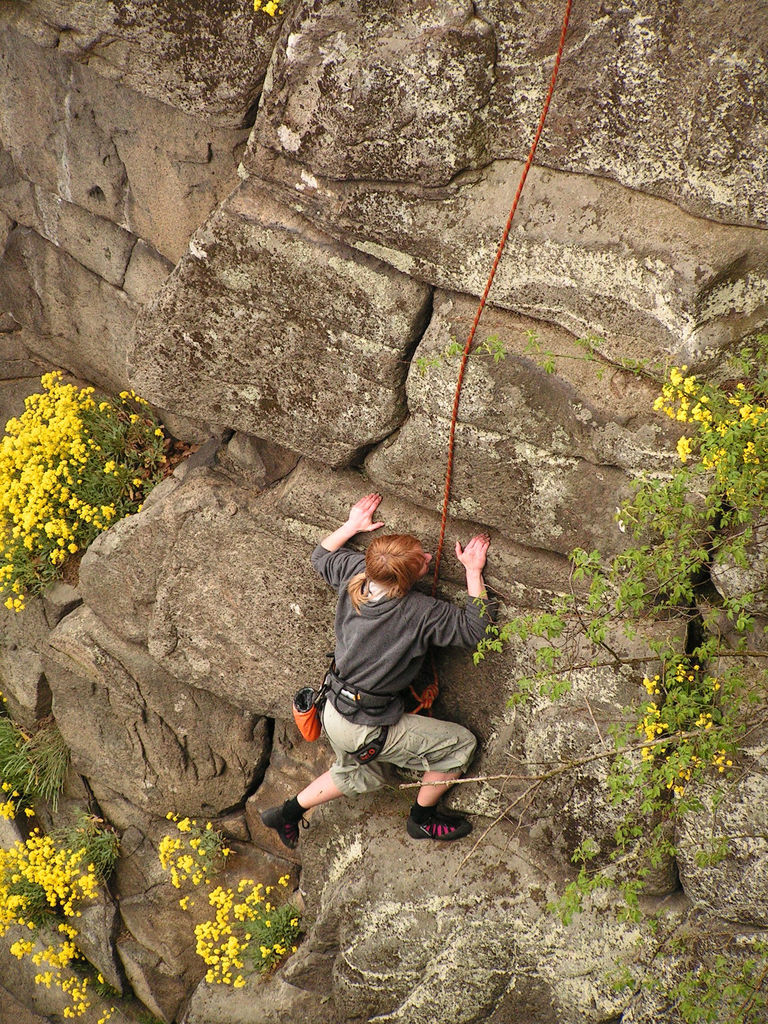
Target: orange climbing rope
427	697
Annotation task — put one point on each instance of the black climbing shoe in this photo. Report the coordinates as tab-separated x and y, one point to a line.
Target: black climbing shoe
288	831
439	826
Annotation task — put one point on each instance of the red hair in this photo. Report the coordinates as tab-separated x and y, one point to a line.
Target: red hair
394	561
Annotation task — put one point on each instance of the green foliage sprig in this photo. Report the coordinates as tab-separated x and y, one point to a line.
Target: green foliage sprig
685	532
724	989
589	349
491	346
716	983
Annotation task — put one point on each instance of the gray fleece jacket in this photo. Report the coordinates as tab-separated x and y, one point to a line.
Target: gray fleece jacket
381	649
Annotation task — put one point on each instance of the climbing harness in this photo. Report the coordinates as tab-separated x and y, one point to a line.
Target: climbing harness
348	699
427	696
308	708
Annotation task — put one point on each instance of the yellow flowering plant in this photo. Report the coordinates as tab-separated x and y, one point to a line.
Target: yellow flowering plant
730	439
686	702
70	466
251	931
42	888
707	512
252	928
193	853
267	7
689	533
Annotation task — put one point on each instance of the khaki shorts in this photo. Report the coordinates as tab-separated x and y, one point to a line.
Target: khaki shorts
415	743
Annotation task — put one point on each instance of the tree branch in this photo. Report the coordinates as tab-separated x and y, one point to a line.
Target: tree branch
561	768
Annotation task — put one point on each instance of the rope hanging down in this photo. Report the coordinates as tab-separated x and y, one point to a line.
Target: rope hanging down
430	691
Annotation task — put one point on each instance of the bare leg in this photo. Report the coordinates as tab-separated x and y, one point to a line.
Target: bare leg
429	795
285	818
319	792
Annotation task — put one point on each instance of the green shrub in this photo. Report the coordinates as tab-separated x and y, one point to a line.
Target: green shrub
31	766
99	841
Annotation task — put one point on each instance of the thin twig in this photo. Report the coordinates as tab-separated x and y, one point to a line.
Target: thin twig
597	727
651	656
562	767
582	623
529	791
747	1005
471	778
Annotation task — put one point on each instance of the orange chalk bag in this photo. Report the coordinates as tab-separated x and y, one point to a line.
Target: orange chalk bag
306	712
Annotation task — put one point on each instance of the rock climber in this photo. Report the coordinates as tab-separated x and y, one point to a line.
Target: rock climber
383	631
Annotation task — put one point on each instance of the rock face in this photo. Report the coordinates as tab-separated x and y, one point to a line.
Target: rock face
654	103
589	255
293	370
416	82
158	185
733	887
276	229
159	745
98	212
649	101
16	1011
378	893
208	60
544	458
179	590
25	689
741	581
71	316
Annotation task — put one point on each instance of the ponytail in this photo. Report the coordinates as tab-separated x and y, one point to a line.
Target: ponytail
356	591
394	562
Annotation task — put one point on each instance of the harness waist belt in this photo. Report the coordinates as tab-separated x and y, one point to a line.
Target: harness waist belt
348	699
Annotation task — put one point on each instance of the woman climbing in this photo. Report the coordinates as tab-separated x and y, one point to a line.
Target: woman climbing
383	631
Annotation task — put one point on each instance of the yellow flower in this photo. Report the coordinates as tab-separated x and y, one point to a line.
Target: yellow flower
46	458
684	448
